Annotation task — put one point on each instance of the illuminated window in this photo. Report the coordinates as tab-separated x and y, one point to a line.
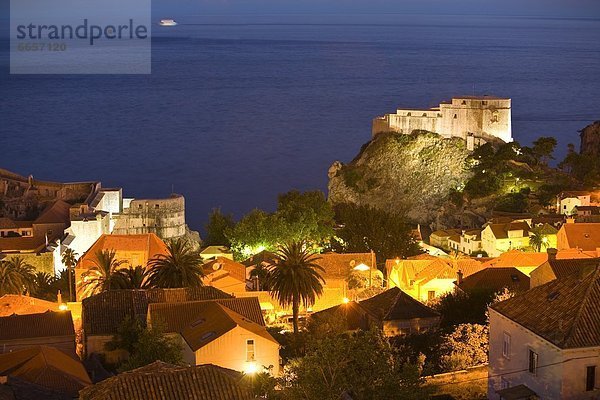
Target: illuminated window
455	116
431	295
250	350
590	378
533	362
506	345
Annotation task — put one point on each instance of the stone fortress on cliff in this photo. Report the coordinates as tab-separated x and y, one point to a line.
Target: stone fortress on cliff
476	119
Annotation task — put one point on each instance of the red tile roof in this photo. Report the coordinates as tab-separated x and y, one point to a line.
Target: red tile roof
339	265
496	279
47	367
517	258
584	236
564	311
161	381
234	269
48	324
19	304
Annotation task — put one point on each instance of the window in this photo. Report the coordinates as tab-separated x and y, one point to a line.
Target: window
506	345
250	350
455	116
157	206
533	362
431	295
590	378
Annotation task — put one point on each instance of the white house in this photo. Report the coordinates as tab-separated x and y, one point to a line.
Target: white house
546	342
568	201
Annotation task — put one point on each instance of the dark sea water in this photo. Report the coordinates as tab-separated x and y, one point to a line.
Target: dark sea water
239	109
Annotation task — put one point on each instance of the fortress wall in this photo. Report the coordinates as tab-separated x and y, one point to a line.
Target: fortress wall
164	217
407	121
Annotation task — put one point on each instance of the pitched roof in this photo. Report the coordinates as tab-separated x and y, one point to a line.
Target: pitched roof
234	269
564	311
391	305
57	212
177	316
161	381
500	231
48	324
213	320
566	267
103	313
339	265
517	258
495	279
148	244
584	236
445	233
47	367
19	304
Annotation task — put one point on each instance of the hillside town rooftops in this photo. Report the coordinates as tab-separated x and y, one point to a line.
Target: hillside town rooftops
584	236
563	311
162	381
47	324
496	279
18	304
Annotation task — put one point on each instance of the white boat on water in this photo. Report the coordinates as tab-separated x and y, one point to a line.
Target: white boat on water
167	22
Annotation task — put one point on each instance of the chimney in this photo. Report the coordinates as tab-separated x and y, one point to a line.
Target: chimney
552	253
570	220
459	277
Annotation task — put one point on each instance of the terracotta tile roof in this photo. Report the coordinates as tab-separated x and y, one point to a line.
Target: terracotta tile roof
517	258
500	231
445	233
213	320
584	236
564	311
547	229
573	193
19	304
564	268
177	316
149	245
103	313
263	256
235	270
161	381
47	367
57	212
48	324
27	244
496	279
7	223
339	265
391	305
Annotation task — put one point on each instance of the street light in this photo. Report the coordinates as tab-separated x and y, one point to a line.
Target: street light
362	267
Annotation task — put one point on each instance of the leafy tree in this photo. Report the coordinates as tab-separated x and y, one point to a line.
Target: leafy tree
543	148
16	276
306	216
69	259
182	267
466	346
144	345
364	229
218	225
102	275
260	273
512	202
255	232
459	308
132	278
362	366
295	278
300	216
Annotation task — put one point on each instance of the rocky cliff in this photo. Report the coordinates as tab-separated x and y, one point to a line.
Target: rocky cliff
410	174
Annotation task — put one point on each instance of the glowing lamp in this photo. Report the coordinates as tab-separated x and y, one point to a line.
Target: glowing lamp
346	300
251	368
63	307
362	267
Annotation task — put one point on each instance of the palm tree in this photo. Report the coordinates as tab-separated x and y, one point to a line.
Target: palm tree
295	278
538	240
103	275
43	286
180	268
69	259
16	276
132	278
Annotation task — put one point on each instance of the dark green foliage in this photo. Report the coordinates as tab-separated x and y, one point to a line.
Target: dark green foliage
461	308
16	276
217	227
363	365
512	202
44	286
364	229
144	345
543	148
